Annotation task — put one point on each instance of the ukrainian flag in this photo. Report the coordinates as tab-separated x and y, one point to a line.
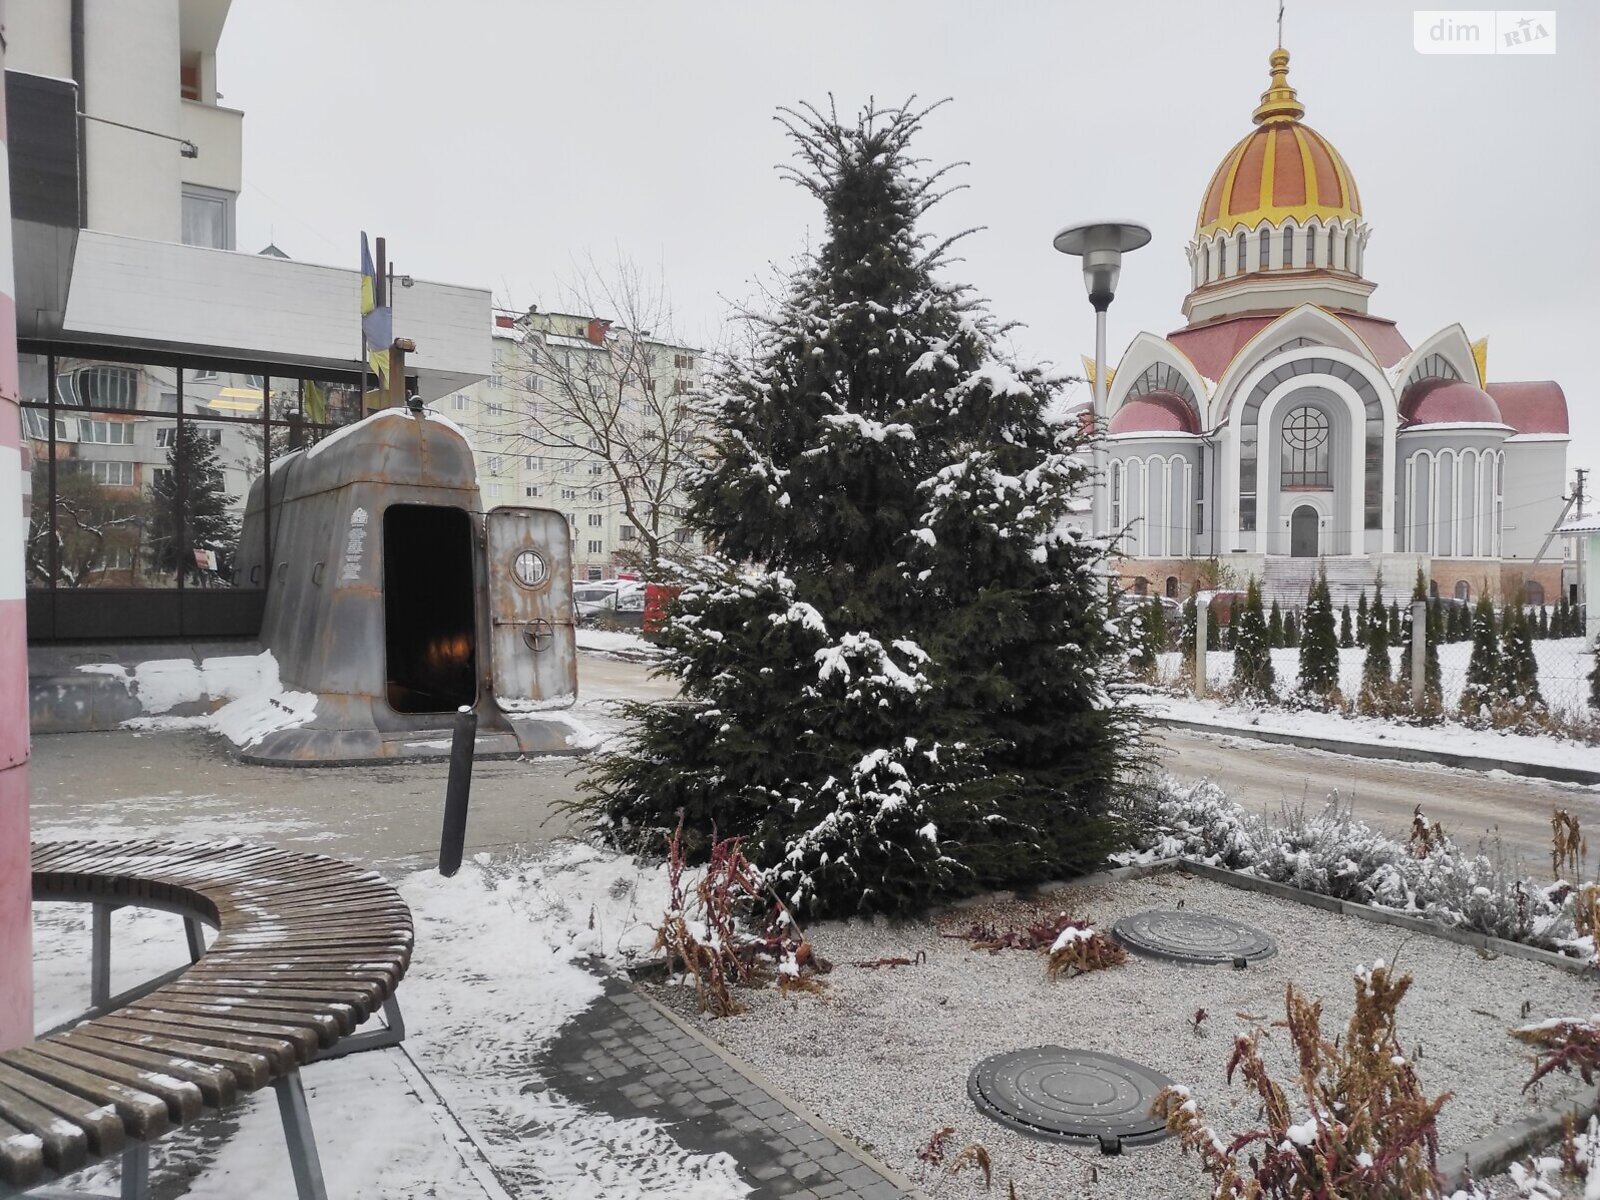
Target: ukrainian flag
377	324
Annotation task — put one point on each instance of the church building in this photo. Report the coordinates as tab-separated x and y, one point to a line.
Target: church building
1286	424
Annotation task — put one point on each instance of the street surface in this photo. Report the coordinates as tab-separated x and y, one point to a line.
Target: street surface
151	784
1263	777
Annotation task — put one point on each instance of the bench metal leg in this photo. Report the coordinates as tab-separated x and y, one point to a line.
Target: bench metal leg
136	1171
197	938
392	1034
303	1159
100	955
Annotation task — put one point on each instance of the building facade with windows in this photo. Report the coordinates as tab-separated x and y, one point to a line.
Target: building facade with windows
1285	423
162	371
563	421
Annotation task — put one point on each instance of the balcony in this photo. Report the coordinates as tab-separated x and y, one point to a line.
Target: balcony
218	132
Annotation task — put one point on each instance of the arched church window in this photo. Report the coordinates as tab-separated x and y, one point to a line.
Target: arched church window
1116	495
1533	593
1305	449
1172	587
1433	366
1288	248
1164	377
1264	249
1239	243
1463	591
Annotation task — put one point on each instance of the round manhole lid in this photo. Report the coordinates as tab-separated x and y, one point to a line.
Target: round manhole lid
1070	1096
1193	937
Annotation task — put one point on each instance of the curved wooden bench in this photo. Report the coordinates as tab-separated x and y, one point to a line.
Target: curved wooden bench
307	949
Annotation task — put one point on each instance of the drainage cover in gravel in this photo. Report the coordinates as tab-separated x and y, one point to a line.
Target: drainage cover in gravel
1193	938
1070	1096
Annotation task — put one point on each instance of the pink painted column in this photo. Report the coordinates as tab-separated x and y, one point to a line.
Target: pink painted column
16	934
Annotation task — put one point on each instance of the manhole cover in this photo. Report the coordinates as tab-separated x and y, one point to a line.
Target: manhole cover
1193	938
1070	1096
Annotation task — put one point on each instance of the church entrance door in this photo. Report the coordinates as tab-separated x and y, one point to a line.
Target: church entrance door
1303	532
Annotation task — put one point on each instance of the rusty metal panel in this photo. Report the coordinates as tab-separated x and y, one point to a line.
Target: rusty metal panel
533	644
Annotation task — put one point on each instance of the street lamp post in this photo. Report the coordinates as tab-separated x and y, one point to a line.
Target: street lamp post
1101	245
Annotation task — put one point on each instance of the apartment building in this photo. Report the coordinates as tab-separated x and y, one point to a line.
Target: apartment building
162	369
582	416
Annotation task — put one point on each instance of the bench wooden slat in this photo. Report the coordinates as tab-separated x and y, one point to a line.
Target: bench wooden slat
143	1114
182	1098
217	1085
252	1071
21	1154
302	1037
99	1122
279	1054
66	1145
327	1027
358	1003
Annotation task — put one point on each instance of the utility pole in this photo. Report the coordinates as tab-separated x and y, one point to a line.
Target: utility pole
1583	542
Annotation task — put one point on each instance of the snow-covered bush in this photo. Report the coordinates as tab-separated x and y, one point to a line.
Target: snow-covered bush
1330	852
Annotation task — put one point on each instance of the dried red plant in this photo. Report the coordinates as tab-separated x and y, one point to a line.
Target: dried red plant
937	1146
1080	948
976	1154
1570	1045
1566	843
1369	1131
1426	835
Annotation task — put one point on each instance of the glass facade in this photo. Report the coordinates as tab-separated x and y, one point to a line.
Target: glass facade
140	474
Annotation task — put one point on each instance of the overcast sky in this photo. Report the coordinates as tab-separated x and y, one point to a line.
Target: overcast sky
496	144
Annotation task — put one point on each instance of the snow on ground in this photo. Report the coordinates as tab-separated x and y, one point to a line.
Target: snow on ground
884	1054
1446	738
616	641
256	701
1564	665
506	954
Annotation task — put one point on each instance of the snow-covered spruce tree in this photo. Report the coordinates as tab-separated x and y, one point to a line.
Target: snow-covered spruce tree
1214	634
1561	623
1291	629
1319	648
1483	668
1375	667
1363	619
910	694
1519	666
1429	631
1544	623
1346	638
1275	627
1252	656
1594	678
1394	622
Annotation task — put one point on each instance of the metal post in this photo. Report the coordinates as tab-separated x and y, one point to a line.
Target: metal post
1098	500
135	1171
1419	650
297	1133
196	936
1201	604
100	956
454	835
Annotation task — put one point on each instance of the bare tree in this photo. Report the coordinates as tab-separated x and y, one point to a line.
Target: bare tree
605	390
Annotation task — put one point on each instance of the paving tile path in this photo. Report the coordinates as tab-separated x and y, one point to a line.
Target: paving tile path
626	1056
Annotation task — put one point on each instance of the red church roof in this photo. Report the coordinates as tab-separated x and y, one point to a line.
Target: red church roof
1436	401
1212	347
1155	412
1535	406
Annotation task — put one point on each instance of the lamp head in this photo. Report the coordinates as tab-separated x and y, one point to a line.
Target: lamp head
1101	245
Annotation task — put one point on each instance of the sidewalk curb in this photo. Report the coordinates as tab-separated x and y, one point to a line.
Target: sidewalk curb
910	1190
1395	753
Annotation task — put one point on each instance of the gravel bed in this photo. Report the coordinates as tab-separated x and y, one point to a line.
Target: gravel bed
883	1055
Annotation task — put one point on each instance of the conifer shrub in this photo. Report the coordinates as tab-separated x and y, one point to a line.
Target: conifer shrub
1252	655
1319	649
1482	689
1275	632
900	669
1347	639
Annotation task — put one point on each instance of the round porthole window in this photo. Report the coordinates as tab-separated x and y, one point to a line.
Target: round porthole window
530	569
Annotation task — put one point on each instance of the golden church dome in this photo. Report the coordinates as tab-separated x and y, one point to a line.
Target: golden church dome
1283	169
